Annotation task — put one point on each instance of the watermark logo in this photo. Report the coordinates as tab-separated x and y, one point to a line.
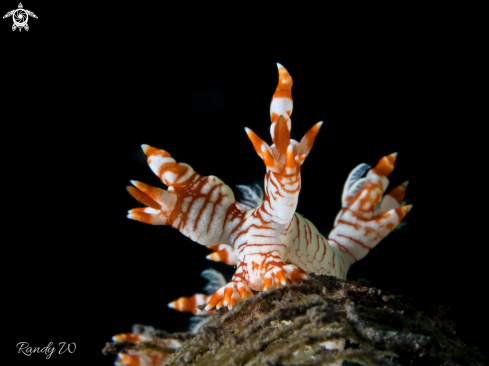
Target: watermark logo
20	17
47	350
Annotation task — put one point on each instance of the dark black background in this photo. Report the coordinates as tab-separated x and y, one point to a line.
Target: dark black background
87	84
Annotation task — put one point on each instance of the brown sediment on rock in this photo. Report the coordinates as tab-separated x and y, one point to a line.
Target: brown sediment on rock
113	348
289	326
181	336
116	347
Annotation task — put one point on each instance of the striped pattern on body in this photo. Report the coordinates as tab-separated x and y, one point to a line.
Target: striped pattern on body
144	356
271	245
197	206
223	253
190	304
312	252
366	217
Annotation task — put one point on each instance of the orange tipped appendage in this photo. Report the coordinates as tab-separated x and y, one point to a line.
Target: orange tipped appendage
195	205
190	304
393	199
143	198
166	168
284	87
130	337
290	161
307	141
126	359
362	223
228	295
399	192
280	112
223	253
268	159
143	356
282	98
256	141
281	275
385	166
281	137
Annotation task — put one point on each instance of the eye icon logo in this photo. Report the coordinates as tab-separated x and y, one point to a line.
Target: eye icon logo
20	17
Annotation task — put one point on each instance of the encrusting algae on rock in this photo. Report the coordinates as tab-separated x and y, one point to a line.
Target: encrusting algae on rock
292	324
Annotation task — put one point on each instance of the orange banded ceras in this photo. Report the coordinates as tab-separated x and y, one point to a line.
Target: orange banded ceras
271	244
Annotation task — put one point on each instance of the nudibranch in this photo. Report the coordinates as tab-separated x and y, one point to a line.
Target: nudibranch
145	356
270	244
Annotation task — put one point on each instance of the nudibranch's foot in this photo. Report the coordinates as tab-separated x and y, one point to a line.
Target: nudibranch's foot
278	275
195	205
226	296
365	218
223	253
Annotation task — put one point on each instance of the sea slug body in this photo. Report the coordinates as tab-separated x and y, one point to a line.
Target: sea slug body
270	244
